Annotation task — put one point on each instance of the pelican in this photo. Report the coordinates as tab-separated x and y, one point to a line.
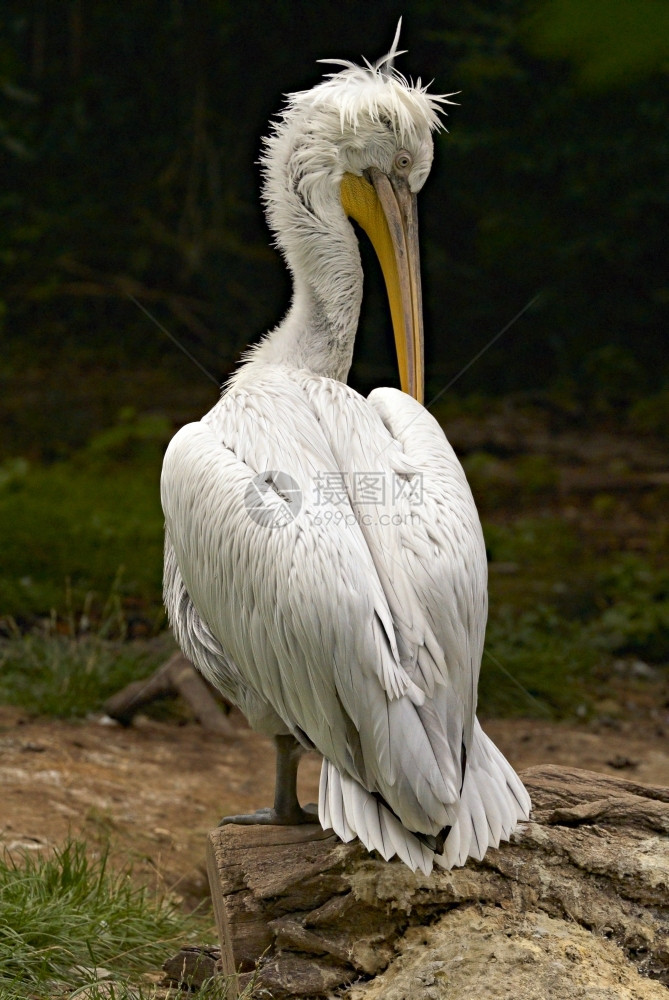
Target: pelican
324	561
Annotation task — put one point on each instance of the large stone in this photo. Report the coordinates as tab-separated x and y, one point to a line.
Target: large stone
578	901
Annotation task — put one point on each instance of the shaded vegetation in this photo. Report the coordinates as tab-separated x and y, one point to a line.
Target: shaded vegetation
635	614
561	611
608	43
67	676
86	523
537	664
130	137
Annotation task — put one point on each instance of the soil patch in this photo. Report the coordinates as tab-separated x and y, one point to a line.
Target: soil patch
157	788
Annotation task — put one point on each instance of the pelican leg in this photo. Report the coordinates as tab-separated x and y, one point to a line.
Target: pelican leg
287	811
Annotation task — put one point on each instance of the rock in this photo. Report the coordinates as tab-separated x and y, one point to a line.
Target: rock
484	952
192	966
578	903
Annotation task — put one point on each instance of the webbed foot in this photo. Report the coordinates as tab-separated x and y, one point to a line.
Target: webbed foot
273	817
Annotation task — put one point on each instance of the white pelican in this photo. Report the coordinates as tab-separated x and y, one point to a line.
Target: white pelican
348	613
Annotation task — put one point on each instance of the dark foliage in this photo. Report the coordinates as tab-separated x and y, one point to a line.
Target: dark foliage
129	135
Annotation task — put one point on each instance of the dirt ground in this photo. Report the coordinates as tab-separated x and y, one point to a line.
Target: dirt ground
155	789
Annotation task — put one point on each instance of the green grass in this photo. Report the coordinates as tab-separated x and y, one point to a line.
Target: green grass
562	615
70	526
71	927
68	677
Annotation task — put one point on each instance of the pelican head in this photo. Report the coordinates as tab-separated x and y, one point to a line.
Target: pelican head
357	146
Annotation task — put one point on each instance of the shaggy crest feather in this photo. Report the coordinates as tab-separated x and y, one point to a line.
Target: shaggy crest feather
373	92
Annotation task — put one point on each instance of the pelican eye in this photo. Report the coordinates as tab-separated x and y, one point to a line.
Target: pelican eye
403	161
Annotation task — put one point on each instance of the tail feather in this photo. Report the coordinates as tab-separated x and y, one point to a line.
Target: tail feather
492	802
331	807
493	789
347	808
408	848
449	857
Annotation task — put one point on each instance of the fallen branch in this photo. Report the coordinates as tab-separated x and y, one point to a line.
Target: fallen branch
176	677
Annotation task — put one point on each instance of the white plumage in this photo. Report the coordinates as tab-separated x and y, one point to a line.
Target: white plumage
356	623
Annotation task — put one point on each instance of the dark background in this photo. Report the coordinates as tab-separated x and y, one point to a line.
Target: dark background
129	136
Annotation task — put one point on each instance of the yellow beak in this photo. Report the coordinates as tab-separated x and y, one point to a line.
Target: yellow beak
386	210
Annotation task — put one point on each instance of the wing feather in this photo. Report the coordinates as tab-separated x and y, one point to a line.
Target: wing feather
424	536
299	608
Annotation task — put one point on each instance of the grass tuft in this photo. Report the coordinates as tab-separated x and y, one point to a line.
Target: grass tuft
72	929
63	917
